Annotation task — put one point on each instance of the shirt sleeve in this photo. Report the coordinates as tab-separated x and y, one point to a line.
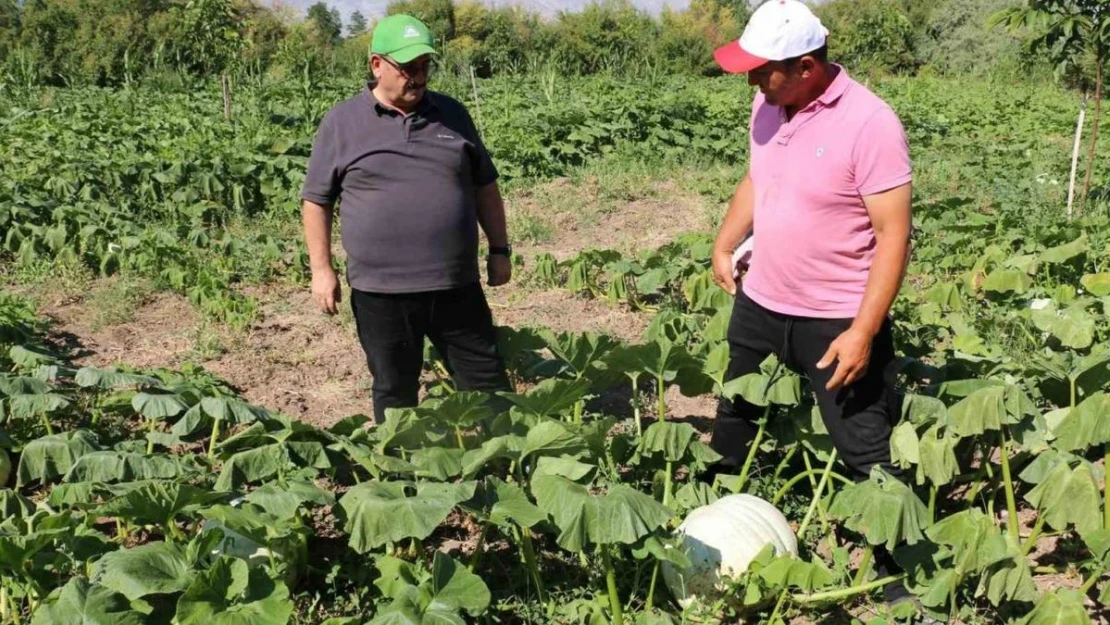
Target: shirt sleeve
484	171
881	158
322	181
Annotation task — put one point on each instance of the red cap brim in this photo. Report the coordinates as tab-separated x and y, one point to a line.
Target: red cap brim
735	60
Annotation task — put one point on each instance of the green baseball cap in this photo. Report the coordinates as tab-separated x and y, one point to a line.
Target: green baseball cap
402	38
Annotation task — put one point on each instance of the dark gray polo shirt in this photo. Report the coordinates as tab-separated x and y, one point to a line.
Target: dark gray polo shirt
406	185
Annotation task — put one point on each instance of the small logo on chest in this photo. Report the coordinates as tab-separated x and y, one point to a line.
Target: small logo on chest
820	152
444	136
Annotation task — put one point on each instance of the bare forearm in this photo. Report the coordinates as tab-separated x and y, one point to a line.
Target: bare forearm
491	215
883	282
738	220
317	232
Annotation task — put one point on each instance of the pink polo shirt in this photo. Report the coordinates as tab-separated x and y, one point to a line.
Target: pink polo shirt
813	240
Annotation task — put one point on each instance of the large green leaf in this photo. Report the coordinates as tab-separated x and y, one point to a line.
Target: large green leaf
52	456
462	409
1098	284
1007	281
376	513
439	463
883	509
107	379
27	406
551	396
152	569
988	409
668	440
283	500
1085	426
622	515
231	593
158	502
158	406
1068	496
578	351
1074	327
1065	252
82	603
505	503
1059	607
551	438
13	505
938	457
455	588
231	410
122	466
253	465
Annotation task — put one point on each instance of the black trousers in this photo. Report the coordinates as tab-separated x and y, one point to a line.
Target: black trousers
392	328
859	417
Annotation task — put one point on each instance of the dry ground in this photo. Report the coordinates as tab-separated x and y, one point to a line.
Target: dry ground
309	365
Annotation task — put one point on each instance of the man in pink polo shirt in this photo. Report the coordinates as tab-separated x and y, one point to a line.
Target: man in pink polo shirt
826	200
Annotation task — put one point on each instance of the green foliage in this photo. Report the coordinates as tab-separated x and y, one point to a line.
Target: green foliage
869	35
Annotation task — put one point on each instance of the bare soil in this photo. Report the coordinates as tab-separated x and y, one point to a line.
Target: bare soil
303	363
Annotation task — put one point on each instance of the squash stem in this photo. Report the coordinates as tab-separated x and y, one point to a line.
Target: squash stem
611	584
845	593
476	557
636	404
651	588
792	482
1106	488
662	399
215	437
1008	485
753	450
46	422
774	618
817	494
785	461
864	566
1033	536
933	503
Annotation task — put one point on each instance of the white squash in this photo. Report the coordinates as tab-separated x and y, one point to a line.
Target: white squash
721	539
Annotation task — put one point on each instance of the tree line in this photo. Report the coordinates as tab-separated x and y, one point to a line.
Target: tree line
117	42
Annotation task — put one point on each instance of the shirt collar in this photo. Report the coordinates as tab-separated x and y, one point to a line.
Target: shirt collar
838	87
427	103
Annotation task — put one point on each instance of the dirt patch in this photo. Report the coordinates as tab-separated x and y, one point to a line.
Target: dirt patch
589	216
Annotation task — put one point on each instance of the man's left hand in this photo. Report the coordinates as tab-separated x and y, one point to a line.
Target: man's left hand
852	353
500	269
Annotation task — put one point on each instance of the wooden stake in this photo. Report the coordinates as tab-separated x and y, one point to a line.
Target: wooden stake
226	82
1075	153
477	103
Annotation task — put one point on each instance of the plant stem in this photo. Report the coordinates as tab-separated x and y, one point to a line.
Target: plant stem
1106	488
611	584
459	438
864	566
530	560
844	593
784	462
1090	582
1033	536
150	442
817	493
778	606
651	588
636	405
476	557
792	482
578	407
662	399
215	437
1008	485
753	450
1071	384
933	503
46	422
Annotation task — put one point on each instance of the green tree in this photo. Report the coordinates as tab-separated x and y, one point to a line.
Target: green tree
439	15
326	21
1074	34
954	40
357	25
869	35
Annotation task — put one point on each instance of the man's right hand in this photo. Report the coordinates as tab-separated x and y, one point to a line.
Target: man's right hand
325	290
722	271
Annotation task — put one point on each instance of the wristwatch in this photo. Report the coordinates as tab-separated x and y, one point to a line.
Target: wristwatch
506	250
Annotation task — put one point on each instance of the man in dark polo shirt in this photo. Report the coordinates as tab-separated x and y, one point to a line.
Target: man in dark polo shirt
414	182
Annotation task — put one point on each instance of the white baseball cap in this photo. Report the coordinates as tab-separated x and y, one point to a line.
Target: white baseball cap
778	30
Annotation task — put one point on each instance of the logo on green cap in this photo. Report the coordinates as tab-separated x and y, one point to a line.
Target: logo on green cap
402	38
